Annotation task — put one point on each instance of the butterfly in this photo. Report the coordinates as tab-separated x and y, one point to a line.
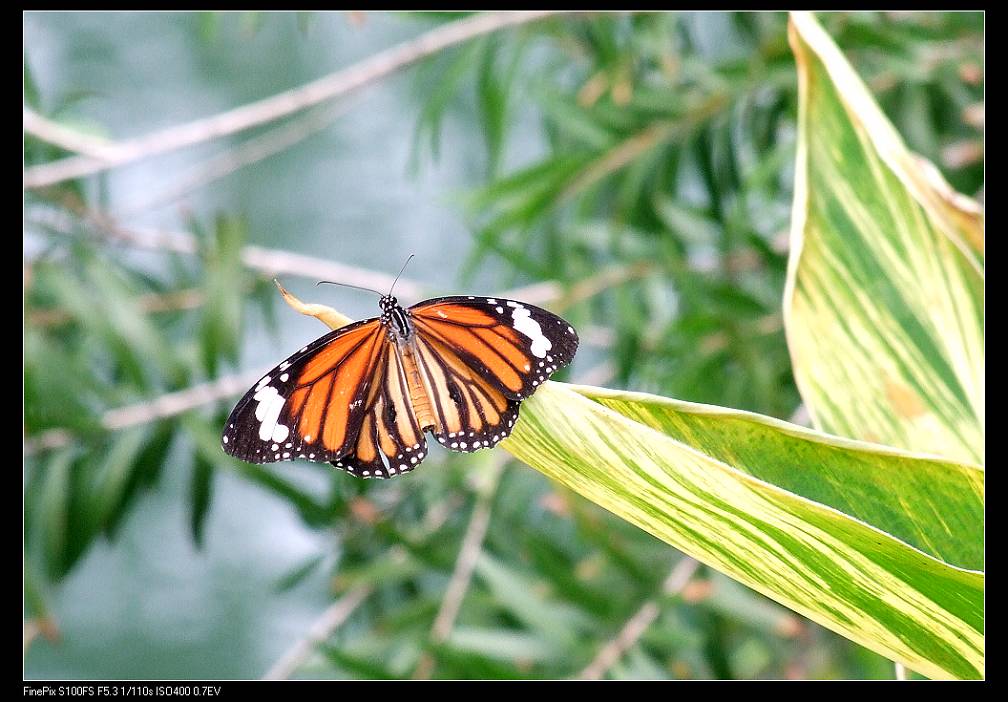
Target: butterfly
363	397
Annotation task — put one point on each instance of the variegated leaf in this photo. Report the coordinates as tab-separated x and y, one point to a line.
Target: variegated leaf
884	302
878	544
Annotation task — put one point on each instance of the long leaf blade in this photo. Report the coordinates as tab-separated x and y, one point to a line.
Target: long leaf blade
850	576
884	302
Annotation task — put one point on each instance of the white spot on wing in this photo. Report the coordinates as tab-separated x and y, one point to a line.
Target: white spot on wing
524	323
268	413
281	432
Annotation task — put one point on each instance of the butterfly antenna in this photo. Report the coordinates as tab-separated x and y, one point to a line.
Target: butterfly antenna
346	285
400	273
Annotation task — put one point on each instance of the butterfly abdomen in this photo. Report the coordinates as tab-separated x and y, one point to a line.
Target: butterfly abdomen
421	403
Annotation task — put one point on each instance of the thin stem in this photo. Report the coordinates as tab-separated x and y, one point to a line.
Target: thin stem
636	625
269	262
465	563
61	136
321	630
249	152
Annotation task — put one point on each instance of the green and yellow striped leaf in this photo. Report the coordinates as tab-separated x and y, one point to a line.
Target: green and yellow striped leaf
884	301
880	545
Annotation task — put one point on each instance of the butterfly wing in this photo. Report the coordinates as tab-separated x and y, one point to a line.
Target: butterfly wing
342	399
313	404
359	400
479	358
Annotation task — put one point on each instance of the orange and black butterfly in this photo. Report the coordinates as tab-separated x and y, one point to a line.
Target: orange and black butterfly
363	396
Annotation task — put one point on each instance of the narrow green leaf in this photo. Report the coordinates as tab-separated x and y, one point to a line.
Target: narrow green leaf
557	622
364	667
225	289
764	502
103	502
492	91
293	577
885	297
511	646
53	511
200	492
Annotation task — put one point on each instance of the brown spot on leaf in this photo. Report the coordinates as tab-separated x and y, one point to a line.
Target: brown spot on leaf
903	399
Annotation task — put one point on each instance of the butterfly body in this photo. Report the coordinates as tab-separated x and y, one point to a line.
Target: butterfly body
363	397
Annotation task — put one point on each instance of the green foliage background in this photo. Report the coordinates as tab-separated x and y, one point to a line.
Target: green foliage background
642	164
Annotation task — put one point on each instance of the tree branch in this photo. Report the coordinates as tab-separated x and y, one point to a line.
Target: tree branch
334	85
245	154
269	262
63	137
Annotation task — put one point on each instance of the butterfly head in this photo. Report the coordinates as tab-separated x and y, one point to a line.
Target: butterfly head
395	316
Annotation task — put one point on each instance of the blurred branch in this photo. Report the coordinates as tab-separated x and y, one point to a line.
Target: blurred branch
635	627
336	84
321	630
639	144
245	154
603	280
63	137
273	262
270	262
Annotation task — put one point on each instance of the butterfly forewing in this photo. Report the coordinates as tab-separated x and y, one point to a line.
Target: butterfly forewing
514	345
313	404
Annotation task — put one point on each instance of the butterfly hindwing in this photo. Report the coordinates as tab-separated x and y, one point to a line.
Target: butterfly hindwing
470	411
389	428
